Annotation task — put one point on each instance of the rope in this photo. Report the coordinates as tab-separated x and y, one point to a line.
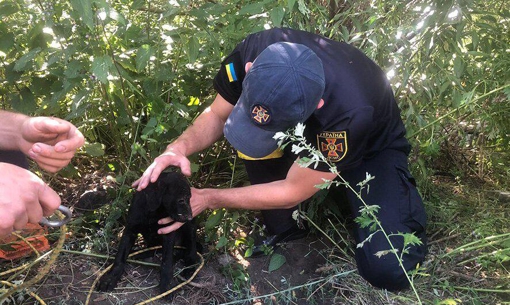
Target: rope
158	296
44	270
35	296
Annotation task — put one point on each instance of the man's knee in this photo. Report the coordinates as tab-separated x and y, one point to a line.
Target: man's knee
384	274
386	271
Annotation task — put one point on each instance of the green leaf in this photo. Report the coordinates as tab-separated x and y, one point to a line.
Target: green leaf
458	66
193	49
194	167
364	221
28	103
122	113
143	56
79	105
411	239
25	59
6	40
94	149
291	4
214	219
222	242
74	69
252	9
277	260
8	8
277	15
100	68
303	8
84	9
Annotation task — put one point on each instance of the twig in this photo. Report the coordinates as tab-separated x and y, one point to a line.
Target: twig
35	296
444	238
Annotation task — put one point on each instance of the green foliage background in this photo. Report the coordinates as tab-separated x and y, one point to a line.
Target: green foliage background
133	74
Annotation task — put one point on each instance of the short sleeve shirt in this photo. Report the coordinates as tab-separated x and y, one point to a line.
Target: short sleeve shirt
360	116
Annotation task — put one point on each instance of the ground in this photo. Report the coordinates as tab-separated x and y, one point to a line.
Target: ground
71	278
314	272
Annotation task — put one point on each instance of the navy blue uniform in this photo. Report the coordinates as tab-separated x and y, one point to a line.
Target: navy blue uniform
359	129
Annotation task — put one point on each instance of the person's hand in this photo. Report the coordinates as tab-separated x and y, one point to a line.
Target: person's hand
198	204
51	142
24	198
172	156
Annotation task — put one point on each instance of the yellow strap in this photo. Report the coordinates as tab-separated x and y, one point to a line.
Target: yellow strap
278	153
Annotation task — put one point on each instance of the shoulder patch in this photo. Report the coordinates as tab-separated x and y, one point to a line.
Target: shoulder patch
231	72
333	144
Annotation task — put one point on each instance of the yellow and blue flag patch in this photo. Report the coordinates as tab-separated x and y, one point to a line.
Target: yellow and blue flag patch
231	72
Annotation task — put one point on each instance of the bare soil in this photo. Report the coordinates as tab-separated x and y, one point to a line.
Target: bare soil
72	276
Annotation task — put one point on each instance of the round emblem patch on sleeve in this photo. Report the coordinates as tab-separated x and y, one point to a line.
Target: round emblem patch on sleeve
333	144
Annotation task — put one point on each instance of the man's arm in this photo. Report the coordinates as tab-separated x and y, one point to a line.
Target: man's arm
298	186
10	126
205	130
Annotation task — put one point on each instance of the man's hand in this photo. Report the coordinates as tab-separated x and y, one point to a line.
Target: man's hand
51	142
198	203
171	157
24	198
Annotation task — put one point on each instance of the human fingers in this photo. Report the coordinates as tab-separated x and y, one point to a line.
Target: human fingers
20	222
135	184
49	199
151	174
145	179
185	166
165	221
48	158
73	140
170	228
51	125
6	227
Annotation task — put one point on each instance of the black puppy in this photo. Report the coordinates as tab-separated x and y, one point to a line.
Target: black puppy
168	196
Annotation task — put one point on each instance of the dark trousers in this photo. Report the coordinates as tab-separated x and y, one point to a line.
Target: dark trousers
401	210
264	171
14	157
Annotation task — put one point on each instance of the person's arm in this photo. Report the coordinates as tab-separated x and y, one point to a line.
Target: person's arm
205	130
298	186
10	126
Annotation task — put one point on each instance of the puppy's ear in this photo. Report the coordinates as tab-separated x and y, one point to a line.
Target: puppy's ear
153	198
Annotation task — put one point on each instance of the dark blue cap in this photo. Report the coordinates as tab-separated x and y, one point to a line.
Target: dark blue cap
282	88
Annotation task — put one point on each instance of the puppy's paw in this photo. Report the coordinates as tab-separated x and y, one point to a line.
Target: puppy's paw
164	288
190	265
108	282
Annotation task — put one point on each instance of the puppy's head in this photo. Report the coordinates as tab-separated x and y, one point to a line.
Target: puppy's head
175	193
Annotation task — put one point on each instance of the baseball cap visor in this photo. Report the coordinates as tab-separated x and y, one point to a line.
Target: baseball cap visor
246	137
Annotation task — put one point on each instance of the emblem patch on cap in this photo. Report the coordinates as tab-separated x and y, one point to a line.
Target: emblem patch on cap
260	114
333	144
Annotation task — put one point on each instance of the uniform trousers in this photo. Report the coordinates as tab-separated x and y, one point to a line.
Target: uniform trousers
393	190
